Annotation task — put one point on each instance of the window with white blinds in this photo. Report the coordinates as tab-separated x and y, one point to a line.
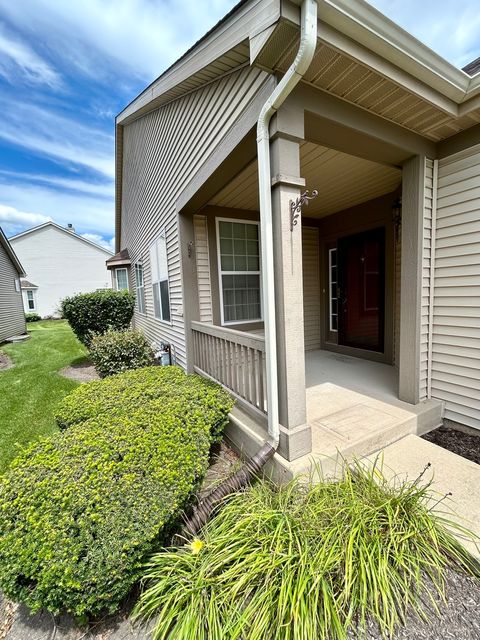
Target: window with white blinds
121	277
239	270
140	287
160	286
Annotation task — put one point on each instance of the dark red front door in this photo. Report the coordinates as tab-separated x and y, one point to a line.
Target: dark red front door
361	290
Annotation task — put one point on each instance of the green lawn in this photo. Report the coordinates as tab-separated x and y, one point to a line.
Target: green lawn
30	390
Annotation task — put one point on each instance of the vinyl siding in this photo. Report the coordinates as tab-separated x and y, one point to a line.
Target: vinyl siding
311	287
203	268
426	275
455	367
161	152
61	265
12	317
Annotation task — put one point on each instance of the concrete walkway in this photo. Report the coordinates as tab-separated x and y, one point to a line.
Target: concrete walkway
449	473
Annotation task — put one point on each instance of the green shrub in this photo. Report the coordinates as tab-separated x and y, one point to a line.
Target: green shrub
127	391
32	317
304	561
118	351
80	511
95	313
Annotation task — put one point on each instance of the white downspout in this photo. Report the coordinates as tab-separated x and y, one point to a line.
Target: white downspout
292	77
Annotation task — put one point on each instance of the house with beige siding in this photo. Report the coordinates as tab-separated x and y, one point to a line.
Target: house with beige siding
297	207
12	317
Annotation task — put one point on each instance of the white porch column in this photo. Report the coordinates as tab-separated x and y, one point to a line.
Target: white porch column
295	434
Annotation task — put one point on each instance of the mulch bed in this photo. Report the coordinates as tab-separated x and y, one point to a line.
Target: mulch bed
80	372
459	617
460	440
5	362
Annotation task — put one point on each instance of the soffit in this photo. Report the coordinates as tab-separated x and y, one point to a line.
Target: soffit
340	75
342	181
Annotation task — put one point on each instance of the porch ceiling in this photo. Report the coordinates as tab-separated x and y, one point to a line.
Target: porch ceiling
342	181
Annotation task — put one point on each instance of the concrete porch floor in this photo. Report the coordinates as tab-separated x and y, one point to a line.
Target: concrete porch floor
352	409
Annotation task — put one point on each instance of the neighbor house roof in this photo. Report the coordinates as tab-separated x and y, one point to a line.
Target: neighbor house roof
122	258
11	253
472	68
26	284
69	232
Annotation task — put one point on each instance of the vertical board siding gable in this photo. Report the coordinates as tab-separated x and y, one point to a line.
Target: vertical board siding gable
161	152
203	268
311	287
455	366
426	277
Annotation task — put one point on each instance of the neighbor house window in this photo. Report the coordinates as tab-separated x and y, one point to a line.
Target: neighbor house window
30	300
121	278
239	271
139	286
332	288
159	267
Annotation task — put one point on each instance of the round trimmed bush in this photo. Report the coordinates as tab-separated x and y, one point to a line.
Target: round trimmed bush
80	511
95	313
118	351
32	317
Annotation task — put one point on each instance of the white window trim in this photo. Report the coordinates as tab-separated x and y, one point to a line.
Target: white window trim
169	323
240	273
330	282
116	278
144	312
33	298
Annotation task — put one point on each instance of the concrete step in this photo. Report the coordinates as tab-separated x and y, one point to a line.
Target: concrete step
449	473
21	338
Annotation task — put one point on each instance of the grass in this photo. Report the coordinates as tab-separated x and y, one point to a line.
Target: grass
30	390
307	560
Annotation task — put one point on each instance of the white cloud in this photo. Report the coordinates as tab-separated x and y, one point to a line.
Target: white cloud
141	35
98	239
450	28
16	56
58	137
13	220
106	189
86	213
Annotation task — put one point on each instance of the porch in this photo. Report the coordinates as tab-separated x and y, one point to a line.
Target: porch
352	404
351	289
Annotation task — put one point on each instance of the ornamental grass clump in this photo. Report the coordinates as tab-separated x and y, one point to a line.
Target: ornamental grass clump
305	561
81	511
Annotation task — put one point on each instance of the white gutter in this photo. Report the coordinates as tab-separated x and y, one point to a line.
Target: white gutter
306	51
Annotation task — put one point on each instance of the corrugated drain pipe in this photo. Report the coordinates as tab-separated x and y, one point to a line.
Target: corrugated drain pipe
292	77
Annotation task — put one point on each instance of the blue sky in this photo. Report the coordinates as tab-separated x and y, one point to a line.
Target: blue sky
67	68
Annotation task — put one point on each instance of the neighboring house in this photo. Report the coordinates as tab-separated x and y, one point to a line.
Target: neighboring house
12	317
384	265
58	263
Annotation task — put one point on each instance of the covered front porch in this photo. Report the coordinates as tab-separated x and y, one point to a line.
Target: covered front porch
351	288
352	404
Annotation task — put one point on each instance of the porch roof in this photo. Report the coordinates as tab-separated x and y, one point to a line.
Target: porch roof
351	32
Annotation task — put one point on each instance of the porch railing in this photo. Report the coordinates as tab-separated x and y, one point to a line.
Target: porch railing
233	358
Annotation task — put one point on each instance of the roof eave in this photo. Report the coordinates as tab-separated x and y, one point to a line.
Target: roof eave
11	254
